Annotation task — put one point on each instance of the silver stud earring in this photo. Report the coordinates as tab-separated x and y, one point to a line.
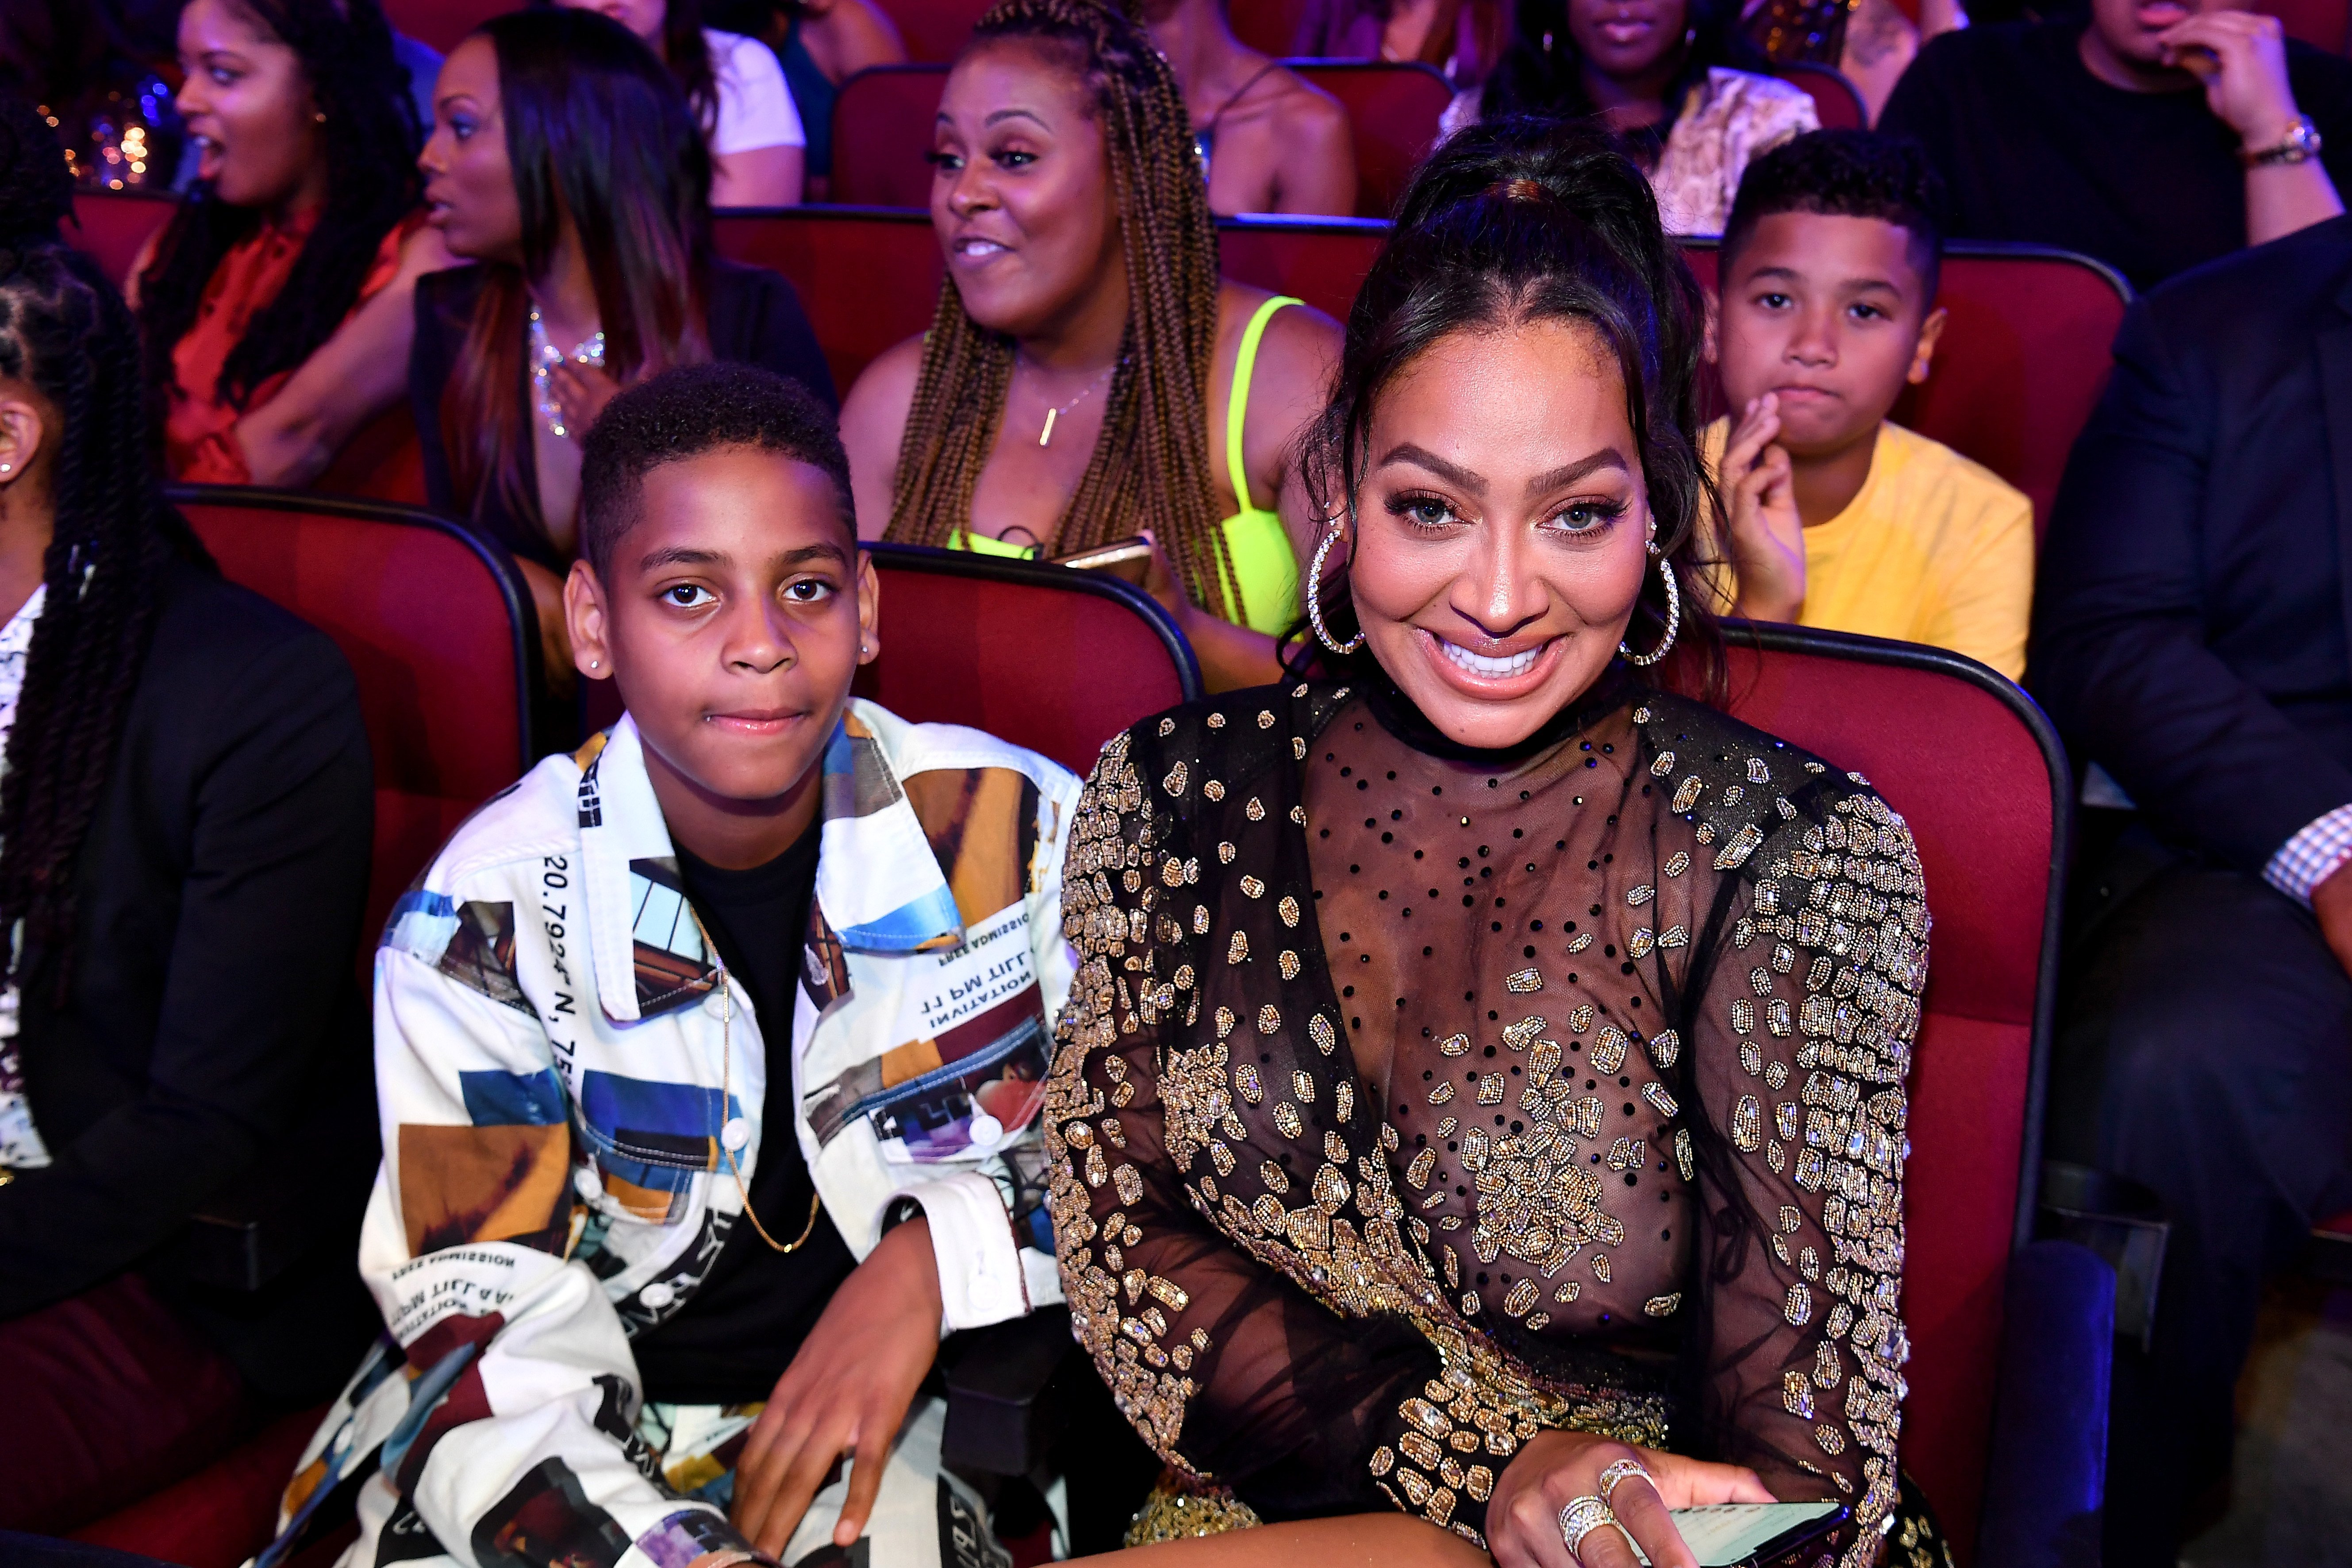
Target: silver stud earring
595	664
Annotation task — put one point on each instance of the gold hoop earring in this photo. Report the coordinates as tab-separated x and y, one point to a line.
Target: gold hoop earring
1674	613
1315	597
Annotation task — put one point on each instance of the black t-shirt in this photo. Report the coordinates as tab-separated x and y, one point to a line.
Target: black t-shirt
734	1339
2032	146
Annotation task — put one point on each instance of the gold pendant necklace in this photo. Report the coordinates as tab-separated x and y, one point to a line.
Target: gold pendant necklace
1046	437
726	1081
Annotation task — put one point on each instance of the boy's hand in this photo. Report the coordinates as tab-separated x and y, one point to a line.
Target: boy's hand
1767	537
846	1391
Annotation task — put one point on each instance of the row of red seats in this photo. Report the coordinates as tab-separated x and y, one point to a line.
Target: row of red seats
434	623
2018	371
882	125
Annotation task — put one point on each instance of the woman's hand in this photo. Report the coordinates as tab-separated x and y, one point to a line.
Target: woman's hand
1554	1468
1230	657
581	391
847	1391
1767	537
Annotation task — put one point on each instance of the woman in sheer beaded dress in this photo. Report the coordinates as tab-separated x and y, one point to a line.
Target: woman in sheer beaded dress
1482	1102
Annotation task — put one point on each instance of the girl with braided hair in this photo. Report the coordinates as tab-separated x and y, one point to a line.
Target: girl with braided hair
303	235
185	831
1087	376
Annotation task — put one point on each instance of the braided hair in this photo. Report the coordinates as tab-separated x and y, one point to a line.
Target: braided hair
369	142
1150	467
65	332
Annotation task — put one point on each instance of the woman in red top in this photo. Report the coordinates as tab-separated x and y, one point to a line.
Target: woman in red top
304	230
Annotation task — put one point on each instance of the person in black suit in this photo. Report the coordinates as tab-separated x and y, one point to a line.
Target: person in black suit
2193	637
185	819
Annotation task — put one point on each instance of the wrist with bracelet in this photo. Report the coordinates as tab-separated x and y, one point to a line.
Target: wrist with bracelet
2299	143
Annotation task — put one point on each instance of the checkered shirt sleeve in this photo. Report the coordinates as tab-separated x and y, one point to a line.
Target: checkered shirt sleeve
2312	856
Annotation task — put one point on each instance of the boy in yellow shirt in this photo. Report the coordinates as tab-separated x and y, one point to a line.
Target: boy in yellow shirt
1839	519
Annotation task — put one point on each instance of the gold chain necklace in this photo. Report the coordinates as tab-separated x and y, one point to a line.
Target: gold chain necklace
726	1083
1046	437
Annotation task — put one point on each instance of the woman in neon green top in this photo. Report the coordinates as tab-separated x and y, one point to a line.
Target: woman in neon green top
1088	376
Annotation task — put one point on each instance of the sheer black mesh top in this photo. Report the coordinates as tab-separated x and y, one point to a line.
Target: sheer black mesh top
1412	1100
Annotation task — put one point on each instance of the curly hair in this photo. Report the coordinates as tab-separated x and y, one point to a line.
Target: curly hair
369	140
1845	173
688	411
1524	220
66	333
1150	467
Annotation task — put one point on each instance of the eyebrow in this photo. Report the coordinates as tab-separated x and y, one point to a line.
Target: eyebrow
688	555
1005	114
1792	275
1567	474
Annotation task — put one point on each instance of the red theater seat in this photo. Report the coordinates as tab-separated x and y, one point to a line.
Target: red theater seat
440	23
2322	23
935	30
2022	359
1979	773
433	621
224	1514
870	278
1393	113
882	128
1835	102
1269	26
1055	660
111	225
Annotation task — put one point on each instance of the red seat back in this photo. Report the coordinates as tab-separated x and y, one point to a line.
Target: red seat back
1978	771
1835	102
881	128
441	23
433	621
870	278
935	30
2322	23
111	226
2021	362
1269	26
1393	113
1055	660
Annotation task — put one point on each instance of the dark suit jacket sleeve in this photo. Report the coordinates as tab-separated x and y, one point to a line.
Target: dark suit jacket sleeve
2119	656
268	926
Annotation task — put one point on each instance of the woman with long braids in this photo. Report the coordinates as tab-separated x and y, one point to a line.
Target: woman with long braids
304	230
1481	1101
564	163
1087	376
184	829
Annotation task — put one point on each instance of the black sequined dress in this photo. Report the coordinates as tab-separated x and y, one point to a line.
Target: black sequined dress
1635	1005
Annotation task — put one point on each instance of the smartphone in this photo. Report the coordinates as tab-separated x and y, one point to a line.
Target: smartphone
1127	558
1757	1535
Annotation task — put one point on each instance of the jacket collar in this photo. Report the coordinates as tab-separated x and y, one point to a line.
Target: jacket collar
879	887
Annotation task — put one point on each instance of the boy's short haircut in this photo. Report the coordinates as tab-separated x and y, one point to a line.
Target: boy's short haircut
688	411
1845	173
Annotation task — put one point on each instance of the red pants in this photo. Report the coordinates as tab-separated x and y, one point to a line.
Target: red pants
109	1397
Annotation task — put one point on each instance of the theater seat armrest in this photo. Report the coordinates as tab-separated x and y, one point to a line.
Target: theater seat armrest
2048	1472
1003	1403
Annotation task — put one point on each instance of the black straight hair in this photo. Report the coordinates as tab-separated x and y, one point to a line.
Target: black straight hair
597	131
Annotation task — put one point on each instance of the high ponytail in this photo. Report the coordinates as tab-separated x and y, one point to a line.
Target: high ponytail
1523	220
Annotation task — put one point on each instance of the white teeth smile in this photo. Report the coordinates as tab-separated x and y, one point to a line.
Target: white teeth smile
977	248
1479	664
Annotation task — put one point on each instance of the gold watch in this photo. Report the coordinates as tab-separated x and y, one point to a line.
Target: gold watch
2300	146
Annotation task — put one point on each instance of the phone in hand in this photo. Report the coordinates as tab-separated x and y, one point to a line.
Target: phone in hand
1127	558
1758	1534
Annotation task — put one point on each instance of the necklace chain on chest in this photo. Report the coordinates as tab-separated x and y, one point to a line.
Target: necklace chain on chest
1046	437
544	357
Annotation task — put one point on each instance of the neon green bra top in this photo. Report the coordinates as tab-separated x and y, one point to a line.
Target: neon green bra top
1262	593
